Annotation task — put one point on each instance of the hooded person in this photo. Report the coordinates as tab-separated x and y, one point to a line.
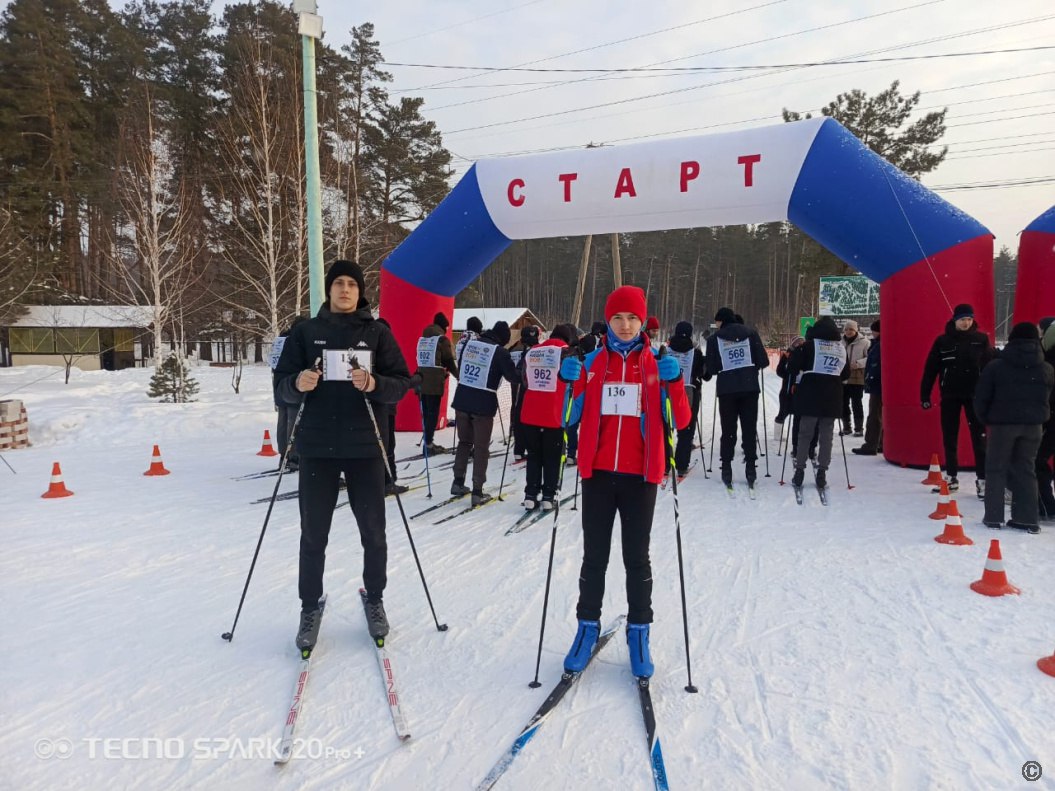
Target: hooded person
485	361
683	349
618	395
1013	400
340	362
529	337
819	370
735	355
435	361
956	360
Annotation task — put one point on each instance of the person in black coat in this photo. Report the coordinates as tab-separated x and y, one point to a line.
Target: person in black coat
691	360
1012	400
337	436
873	444
529	336
287	413
484	363
735	354
1046	452
820	371
956	360
787	382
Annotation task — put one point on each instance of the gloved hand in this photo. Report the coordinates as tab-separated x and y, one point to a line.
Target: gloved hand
669	369
571	369
925	404
415	383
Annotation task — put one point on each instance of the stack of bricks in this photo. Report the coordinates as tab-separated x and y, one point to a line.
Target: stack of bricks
14	425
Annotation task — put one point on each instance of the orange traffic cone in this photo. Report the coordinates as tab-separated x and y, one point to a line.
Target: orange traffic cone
953	528
157	467
57	488
994	579
934	473
266	449
1047	664
942	510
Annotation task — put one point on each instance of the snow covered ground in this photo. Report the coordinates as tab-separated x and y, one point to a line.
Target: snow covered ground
834	647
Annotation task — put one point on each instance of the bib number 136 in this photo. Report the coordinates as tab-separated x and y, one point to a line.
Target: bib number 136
621	399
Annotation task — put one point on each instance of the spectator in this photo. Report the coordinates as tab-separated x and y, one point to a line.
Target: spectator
874	387
1047	443
853	390
1012	401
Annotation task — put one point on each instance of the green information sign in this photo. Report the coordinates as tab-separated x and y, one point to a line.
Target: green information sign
805	323
854	295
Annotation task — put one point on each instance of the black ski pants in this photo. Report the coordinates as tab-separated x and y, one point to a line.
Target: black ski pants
319	484
683	452
742	407
544	447
1044	471
950	434
603	495
287	415
1011	457
474	439
853	397
430	415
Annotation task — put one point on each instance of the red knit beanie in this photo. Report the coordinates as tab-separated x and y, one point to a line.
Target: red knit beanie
652	323
626	299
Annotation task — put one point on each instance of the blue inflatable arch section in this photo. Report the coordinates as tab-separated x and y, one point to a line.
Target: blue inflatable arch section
926	254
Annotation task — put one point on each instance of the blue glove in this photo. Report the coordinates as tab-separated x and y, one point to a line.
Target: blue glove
571	369
669	369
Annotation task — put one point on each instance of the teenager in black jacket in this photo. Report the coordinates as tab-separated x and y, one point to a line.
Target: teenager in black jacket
336	434
956	360
1012	401
691	360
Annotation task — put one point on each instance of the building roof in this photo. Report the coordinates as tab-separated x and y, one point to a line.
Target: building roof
489	316
90	316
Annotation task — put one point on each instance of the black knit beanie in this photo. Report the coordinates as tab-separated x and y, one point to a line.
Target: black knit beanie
352	270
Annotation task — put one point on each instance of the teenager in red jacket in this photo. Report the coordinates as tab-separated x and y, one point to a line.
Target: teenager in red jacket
541	416
619	394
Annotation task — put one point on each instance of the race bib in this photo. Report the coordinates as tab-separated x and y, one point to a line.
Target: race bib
516	356
337	363
620	398
427	351
735	354
829	357
477	357
542	366
685	361
276	350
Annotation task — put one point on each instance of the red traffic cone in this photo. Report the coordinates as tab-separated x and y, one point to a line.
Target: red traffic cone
994	579
953	528
942	510
57	488
266	449
1047	664
157	467
933	473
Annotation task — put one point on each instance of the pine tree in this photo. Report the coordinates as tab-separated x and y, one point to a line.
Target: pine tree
172	382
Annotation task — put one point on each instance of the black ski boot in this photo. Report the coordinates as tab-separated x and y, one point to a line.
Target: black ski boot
798	478
308	632
750	473
376	620
458	488
727	474
822	478
480	497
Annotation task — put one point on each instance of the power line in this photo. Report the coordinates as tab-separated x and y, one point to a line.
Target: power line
460	24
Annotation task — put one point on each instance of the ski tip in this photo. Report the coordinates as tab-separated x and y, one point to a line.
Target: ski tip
379	642
305	653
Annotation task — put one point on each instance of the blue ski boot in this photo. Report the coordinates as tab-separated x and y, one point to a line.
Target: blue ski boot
640	657
582	646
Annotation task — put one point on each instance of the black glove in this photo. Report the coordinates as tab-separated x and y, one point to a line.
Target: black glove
925	404
415	383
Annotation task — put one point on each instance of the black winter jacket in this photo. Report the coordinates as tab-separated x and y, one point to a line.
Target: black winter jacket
1015	387
699	365
956	359
740	380
433	378
477	401
335	423
874	369
817	395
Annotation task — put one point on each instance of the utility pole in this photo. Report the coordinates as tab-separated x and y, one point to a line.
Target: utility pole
310	28
577	309
617	267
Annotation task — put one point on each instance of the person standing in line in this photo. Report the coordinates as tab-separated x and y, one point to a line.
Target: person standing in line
735	354
542	416
474	328
956	360
387	413
1012	400
652	330
873	444
337	436
820	372
1046	452
435	361
528	338
690	359
618	397
287	413
853	390
786	382
484	363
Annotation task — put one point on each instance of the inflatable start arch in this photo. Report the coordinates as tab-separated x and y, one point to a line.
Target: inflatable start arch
927	254
1035	289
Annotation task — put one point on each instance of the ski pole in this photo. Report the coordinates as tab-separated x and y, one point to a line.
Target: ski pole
784	464
505	463
714	413
699	431
425	445
8	465
845	465
502	422
535	684
575	501
442	627
765	420
689	687
229	636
